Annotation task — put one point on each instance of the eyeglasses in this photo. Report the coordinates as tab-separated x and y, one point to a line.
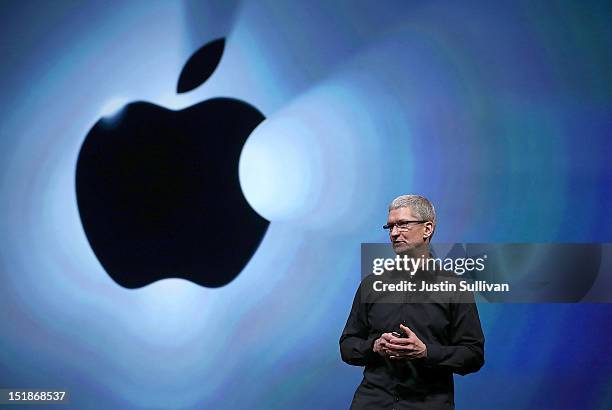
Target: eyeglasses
401	225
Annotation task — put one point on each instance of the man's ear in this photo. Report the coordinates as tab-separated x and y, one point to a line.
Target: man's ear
429	230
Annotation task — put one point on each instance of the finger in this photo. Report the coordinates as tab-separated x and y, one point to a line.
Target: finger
407	330
400	348
399	340
387	336
391	346
403	344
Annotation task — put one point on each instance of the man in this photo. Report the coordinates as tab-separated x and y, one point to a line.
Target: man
439	336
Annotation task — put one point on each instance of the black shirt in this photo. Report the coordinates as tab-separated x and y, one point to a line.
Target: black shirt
446	322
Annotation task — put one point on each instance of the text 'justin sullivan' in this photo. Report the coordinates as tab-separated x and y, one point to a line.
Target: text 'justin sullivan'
445	286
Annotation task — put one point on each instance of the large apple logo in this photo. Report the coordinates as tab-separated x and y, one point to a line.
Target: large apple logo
158	190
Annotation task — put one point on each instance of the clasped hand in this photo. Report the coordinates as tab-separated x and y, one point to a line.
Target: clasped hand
397	348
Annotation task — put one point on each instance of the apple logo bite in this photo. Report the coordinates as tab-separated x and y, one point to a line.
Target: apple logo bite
158	190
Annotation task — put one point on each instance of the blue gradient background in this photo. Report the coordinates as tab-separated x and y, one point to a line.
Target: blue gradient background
500	113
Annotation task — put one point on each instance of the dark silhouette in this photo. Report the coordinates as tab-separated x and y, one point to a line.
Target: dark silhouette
158	190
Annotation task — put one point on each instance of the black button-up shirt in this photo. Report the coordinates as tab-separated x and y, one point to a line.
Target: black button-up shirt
446	322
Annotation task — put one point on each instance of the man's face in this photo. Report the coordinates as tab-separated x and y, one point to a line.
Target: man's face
413	236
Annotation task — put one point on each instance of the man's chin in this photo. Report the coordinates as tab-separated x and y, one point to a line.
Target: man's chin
401	248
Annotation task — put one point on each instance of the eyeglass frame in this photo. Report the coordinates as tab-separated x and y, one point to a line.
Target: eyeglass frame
390	227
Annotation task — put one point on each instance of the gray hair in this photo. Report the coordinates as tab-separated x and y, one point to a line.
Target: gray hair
419	205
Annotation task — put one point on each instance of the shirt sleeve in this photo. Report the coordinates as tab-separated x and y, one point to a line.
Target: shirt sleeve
465	353
356	341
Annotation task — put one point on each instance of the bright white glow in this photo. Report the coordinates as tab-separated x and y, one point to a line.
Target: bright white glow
311	165
279	168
